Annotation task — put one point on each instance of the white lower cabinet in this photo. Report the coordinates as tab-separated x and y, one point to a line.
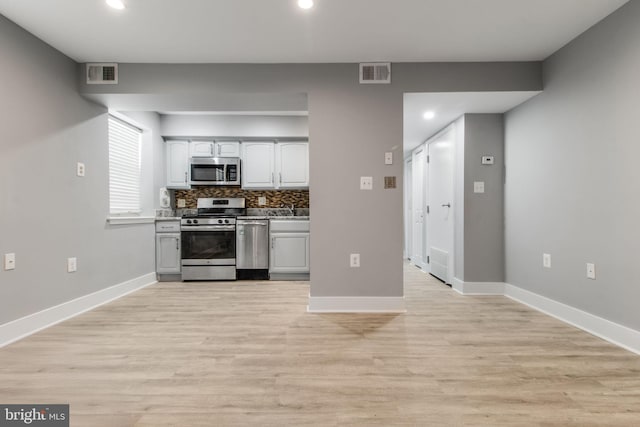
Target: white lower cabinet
168	247
289	247
289	253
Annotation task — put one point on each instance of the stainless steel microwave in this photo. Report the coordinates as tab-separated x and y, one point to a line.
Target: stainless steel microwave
215	171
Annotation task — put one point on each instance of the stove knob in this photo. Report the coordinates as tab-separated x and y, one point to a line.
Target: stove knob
195	221
188	221
219	221
226	221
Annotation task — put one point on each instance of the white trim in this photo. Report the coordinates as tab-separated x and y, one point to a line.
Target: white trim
615	333
478	288
122	220
356	305
25	326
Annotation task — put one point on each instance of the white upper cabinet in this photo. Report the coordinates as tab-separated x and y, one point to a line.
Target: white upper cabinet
258	165
177	155
275	165
202	149
227	149
214	149
292	164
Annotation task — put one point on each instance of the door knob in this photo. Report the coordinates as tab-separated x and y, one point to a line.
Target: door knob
448	205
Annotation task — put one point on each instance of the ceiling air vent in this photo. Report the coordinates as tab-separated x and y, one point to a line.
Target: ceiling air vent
102	74
375	72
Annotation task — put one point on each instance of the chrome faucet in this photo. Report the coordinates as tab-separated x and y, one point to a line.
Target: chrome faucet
291	208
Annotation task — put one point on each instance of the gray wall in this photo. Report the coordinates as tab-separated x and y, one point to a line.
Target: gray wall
572	180
235	125
47	214
350	126
483	212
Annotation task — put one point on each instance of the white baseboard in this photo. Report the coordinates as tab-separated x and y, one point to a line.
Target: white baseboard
615	333
356	305
478	288
25	326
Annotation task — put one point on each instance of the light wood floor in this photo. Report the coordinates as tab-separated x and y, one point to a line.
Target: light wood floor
247	353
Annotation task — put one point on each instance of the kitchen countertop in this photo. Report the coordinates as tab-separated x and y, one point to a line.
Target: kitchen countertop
288	217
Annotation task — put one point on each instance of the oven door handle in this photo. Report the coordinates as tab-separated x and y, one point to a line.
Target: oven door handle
208	228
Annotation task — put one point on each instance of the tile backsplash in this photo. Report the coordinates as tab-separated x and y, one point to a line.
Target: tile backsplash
274	198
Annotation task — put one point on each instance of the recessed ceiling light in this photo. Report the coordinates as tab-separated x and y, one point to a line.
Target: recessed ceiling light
305	4
428	115
116	4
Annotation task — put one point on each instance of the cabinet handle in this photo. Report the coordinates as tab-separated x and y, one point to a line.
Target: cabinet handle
219	150
177	244
211	149
280	176
273	179
273	240
185	177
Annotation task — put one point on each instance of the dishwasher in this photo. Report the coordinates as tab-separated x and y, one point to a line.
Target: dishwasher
252	249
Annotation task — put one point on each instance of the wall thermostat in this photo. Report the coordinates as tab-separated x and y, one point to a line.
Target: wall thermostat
487	160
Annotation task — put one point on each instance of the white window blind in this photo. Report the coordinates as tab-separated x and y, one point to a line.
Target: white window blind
124	167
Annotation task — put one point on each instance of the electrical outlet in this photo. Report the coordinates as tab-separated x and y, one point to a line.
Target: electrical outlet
72	265
262	200
354	259
9	261
181	203
546	260
80	169
591	271
366	183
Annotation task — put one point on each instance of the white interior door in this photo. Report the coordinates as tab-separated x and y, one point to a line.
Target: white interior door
417	201
440	202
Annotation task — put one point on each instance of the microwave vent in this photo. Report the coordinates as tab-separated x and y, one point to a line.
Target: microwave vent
375	72
102	74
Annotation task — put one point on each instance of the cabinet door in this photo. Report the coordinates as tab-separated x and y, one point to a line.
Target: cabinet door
202	149
293	164
227	149
257	165
289	253
177	164
168	253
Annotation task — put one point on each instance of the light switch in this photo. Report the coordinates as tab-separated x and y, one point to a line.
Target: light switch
10	261
478	187
591	271
388	158
366	183
546	260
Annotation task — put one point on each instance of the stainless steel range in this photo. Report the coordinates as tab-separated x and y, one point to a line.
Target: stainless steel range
209	240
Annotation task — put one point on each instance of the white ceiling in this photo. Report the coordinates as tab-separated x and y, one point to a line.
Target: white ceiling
447	107
277	31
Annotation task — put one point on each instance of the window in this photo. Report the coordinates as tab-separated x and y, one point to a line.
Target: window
124	167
